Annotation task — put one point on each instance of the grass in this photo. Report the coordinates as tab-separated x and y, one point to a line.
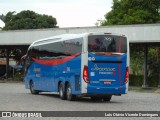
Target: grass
144	90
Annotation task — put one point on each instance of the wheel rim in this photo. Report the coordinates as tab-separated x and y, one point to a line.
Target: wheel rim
61	91
31	86
68	92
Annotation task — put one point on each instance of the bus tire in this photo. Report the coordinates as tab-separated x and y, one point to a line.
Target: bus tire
32	88
107	98
69	94
62	93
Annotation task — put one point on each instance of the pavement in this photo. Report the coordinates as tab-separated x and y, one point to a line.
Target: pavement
14	97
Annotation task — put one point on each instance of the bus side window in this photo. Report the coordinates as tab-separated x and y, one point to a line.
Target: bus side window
34	53
73	46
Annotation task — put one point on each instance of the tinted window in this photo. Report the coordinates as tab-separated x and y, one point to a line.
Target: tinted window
107	43
72	46
33	53
58	49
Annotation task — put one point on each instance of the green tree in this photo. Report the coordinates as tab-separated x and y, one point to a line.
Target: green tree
27	20
8	17
136	59
133	12
126	12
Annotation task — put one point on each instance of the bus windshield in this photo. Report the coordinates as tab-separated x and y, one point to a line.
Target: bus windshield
107	43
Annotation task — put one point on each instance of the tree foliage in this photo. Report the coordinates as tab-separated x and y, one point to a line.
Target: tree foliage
133	12
154	61
136	59
27	20
126	12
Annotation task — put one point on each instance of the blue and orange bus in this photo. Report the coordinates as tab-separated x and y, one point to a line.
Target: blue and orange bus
87	65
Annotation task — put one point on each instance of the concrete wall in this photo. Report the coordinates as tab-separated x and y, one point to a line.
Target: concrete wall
135	33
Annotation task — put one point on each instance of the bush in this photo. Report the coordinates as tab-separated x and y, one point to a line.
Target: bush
137	80
153	81
18	77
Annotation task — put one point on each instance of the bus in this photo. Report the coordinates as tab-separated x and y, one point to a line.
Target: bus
94	65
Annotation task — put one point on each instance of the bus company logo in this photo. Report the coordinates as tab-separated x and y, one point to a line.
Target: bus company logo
96	68
108	38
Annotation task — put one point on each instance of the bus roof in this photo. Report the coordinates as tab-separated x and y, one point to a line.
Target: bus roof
56	38
65	37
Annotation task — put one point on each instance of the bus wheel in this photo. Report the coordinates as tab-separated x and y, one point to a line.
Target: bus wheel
32	88
69	94
62	93
107	98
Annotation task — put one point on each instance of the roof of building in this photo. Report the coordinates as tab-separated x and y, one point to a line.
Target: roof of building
144	33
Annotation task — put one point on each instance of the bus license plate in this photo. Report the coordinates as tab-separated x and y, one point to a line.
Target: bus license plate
107	82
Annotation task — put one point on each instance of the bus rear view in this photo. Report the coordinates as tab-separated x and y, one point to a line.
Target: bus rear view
108	63
89	64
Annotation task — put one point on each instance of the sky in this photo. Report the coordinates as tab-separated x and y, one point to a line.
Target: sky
69	13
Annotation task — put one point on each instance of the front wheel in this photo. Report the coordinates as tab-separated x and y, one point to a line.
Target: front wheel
69	94
32	88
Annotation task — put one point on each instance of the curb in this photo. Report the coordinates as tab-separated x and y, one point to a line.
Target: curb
10	81
157	91
148	89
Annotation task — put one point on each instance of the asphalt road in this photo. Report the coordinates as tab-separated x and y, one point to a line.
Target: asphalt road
14	97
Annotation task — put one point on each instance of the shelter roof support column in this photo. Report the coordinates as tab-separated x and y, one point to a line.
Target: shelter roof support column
145	66
7	63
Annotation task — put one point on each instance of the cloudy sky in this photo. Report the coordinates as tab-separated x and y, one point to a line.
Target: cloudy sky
69	13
